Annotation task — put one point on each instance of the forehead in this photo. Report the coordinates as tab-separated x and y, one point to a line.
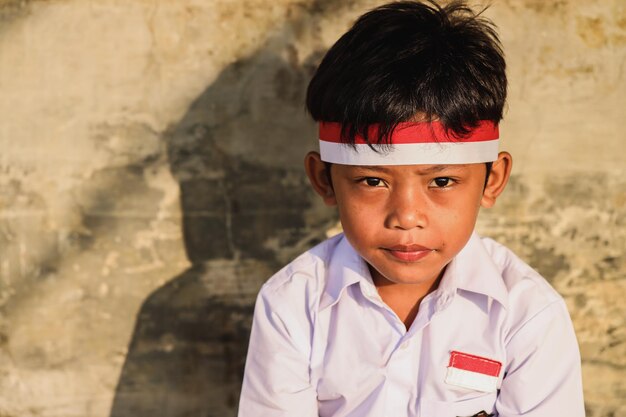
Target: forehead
418	169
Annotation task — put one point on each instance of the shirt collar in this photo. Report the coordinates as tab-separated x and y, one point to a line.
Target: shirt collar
471	270
346	267
474	270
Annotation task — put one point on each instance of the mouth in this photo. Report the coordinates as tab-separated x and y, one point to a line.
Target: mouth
408	253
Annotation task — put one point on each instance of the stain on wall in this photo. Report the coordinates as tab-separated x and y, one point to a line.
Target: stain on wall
151	181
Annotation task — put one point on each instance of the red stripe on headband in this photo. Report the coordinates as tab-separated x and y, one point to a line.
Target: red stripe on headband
433	132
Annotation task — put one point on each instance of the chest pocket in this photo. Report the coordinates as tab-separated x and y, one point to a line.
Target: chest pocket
463	408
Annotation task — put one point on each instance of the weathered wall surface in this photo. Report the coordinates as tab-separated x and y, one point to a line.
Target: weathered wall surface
150	181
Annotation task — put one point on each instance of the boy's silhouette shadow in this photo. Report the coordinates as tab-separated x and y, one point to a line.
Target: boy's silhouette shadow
247	209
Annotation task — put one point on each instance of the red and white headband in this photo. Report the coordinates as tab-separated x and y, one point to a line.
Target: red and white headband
412	144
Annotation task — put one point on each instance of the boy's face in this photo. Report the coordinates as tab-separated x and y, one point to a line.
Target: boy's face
409	221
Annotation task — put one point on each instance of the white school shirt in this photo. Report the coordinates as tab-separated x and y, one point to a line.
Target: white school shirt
323	343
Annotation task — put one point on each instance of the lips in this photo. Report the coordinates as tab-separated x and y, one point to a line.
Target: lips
408	253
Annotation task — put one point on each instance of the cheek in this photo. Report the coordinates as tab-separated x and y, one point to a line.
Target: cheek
458	221
359	220
354	218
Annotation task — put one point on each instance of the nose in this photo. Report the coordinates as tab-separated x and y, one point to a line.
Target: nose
407	210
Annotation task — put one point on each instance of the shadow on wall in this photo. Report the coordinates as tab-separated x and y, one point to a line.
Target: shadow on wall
247	209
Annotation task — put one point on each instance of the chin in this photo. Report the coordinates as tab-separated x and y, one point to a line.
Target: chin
404	277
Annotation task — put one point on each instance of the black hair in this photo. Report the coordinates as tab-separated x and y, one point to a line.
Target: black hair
409	59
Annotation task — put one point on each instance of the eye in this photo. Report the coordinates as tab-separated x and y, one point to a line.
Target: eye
373	181
442	182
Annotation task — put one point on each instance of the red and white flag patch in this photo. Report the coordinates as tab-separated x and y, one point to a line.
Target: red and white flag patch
473	372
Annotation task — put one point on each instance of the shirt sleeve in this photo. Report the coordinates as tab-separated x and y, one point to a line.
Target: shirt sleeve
276	379
543	377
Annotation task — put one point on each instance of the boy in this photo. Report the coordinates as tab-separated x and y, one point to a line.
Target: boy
408	312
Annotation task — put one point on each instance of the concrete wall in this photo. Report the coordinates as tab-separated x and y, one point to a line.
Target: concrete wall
150	181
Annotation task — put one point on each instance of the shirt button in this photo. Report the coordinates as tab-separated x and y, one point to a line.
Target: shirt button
404	345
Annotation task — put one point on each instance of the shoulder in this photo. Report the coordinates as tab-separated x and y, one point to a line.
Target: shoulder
303	279
530	297
538	340
517	275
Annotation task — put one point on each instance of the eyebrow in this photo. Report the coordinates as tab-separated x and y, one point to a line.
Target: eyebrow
422	171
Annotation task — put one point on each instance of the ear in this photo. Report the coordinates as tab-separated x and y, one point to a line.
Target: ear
318	176
498	178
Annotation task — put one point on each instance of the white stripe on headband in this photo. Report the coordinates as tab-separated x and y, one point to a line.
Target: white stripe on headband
411	144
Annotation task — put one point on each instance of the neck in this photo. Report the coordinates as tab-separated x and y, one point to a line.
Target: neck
403	299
